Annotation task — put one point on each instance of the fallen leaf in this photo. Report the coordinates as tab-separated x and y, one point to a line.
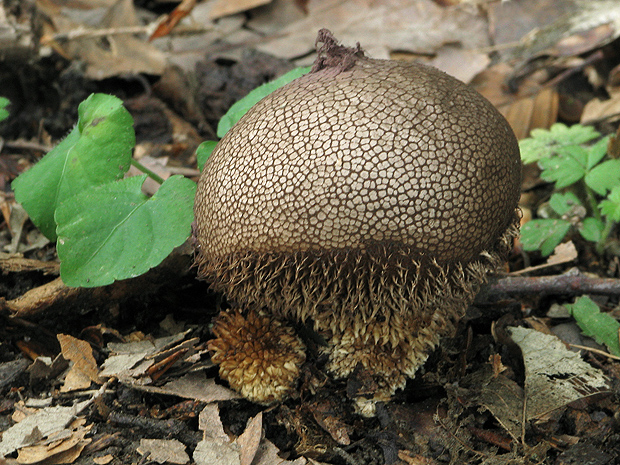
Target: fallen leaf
421	27
103	460
196	386
101	34
210	423
163	451
554	376
62	450
34	427
563	253
250	439
597	111
229	7
212	451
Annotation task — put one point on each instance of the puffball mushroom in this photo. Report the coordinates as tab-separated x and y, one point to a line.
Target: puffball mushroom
370	197
257	354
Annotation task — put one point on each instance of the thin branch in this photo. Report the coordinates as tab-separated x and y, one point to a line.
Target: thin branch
593	350
568	284
80	33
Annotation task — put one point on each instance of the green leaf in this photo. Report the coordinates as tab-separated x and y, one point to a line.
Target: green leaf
592	229
566	168
597	151
604	177
563	203
543	235
203	152
544	143
601	326
4	113
114	231
241	107
611	206
96	151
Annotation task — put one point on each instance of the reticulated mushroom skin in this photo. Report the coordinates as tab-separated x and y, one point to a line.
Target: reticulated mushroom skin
383	152
371	196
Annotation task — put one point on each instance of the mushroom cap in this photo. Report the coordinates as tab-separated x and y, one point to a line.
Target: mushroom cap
366	152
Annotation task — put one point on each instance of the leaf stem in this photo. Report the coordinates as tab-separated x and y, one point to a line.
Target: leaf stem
600	245
145	170
592	201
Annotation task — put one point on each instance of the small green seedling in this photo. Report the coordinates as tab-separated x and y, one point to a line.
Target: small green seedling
4	113
586	181
600	326
105	227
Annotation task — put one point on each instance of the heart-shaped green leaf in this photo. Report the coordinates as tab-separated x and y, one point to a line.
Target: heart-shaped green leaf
96	151
114	231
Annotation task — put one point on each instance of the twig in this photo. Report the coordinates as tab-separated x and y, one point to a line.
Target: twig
571	284
596	351
27	145
81	33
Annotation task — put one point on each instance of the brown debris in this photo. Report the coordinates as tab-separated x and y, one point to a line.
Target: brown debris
333	55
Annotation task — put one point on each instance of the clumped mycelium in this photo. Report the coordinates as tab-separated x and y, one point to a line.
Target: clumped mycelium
258	355
370	197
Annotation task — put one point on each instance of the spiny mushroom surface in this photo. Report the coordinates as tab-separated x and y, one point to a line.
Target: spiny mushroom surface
258	355
369	196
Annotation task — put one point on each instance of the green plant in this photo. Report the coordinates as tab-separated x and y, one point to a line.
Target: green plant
586	195
4	113
601	326
105	228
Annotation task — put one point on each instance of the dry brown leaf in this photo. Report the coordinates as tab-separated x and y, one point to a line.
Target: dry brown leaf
537	111
104	460
495	360
210	423
554	27
68	456
461	63
163	451
275	16
554	376
504	399
597	111
75	380
81	354
193	386
65	448
267	454
250	439
531	106
100	33
563	253
421	27
230	7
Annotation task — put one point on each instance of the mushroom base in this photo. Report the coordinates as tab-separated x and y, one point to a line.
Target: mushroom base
258	355
384	307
